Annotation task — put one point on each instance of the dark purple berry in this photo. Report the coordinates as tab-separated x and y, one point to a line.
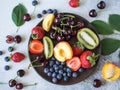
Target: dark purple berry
27	17
60	38
17	39
1	52
49	11
54	80
97	83
21	73
93	13
7	58
34	2
19	86
73	33
12	83
10	49
80	24
101	5
39	15
68	37
7	67
44	12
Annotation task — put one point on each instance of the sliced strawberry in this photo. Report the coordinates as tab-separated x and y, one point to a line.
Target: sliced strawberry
77	49
74	63
36	47
38	32
88	59
18	57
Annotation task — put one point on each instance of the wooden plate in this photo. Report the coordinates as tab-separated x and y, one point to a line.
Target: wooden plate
82	76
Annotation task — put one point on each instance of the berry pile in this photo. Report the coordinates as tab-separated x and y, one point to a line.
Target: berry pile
59	71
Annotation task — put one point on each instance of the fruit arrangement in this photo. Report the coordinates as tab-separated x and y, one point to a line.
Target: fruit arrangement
64	47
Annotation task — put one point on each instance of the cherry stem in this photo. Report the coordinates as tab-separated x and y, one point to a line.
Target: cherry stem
33	11
3	83
15	77
17	29
30	65
31	85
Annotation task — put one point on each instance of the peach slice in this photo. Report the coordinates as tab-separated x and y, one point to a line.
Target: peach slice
110	72
63	51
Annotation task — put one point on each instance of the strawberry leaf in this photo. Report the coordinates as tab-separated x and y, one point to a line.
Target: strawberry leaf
102	27
114	21
109	46
17	14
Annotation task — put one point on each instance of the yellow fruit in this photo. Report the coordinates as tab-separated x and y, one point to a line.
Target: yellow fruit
47	22
63	51
110	72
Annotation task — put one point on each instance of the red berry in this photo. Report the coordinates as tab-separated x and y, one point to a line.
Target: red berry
19	86
17	57
27	17
74	3
9	39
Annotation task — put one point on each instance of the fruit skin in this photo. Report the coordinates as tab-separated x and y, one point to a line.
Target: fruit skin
17	57
38	32
12	83
27	17
88	38
21	73
34	2
47	22
36	47
7	67
97	83
19	86
17	39
48	47
88	59
77	49
74	3
110	72
63	51
74	63
1	52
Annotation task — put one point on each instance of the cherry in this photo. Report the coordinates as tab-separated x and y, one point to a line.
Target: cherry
19	86
93	13
21	73
27	17
9	39
74	3
101	5
17	39
12	83
97	83
81	24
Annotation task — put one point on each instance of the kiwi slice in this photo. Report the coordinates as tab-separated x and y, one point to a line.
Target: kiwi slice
88	38
48	47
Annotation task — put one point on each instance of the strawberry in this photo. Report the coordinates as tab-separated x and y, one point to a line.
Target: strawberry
38	32
88	59
77	49
17	57
74	3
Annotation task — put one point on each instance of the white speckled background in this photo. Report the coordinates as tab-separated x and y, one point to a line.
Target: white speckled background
7	27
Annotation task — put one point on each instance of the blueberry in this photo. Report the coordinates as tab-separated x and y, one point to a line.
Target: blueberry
51	63
59	76
7	67
34	2
63	63
55	11
65	69
10	49
65	78
46	70
81	70
60	71
1	52
7	58
64	74
54	80
54	66
54	74
57	62
69	70
56	70
49	74
39	15
69	74
60	67
74	74
44	12
51	69
49	11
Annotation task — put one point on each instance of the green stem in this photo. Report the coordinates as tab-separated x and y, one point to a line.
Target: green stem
67	15
3	83
30	85
15	78
17	29
33	11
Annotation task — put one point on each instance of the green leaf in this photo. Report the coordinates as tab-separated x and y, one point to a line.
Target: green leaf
109	46
17	14
114	21
102	27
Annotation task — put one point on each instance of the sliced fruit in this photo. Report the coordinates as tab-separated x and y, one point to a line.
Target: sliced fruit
88	38
47	22
48	47
36	47
110	72
63	51
74	63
